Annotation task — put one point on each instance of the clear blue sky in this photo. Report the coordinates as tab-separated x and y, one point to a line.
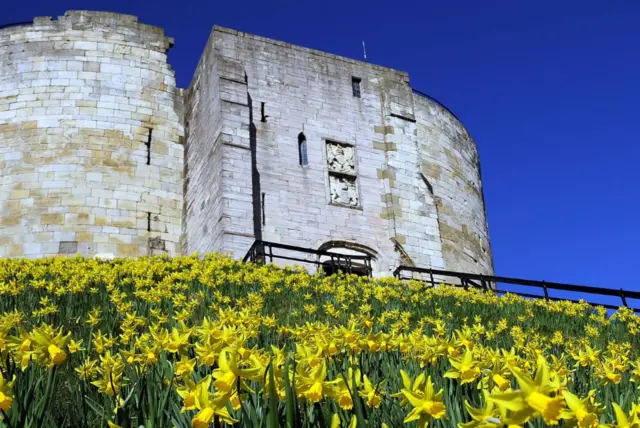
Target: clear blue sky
549	90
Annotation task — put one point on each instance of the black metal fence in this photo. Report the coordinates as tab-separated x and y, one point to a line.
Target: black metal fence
266	252
606	297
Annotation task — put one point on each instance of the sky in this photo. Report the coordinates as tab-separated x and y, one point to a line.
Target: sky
549	90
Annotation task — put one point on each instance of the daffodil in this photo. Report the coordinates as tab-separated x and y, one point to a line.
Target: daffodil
426	404
74	346
189	392
88	370
371	392
486	417
94	318
586	356
178	340
532	398
335	421
185	367
581	411
111	370
311	384
22	348
341	389
465	368
6	393
624	421
210	406
229	370
409	385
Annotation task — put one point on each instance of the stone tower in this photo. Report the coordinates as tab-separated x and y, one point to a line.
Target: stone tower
91	147
300	147
274	142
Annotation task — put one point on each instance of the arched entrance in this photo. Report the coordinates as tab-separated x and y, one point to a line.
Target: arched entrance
347	257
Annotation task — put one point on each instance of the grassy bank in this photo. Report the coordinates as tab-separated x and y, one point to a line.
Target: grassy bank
190	342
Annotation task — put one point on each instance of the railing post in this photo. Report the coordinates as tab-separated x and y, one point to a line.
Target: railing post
261	252
624	299
546	292
431	276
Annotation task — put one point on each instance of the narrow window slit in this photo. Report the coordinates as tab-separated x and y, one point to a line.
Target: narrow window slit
148	222
426	182
148	144
355	86
302	150
264	218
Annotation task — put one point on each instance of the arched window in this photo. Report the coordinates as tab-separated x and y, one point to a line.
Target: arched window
302	149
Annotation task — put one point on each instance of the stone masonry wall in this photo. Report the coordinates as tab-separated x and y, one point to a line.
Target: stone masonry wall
384	206
219	190
450	163
372	176
78	98
92	160
203	159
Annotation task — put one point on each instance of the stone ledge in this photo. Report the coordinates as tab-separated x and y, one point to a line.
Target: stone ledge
84	19
217	28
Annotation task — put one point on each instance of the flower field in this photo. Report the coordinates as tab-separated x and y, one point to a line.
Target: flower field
213	342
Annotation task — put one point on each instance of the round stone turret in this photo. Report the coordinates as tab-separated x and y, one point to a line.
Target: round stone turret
90	138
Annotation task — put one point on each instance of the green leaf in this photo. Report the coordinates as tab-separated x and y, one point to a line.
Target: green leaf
273	399
290	397
357	402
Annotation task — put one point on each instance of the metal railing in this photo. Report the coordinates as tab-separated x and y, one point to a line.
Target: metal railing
262	252
266	252
526	288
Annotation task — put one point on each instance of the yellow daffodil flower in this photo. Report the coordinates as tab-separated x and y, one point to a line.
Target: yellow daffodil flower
228	371
371	392
464	368
532	398
6	394
426	404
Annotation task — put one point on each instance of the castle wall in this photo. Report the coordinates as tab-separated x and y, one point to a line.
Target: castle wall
310	92
203	160
78	98
92	159
219	180
449	161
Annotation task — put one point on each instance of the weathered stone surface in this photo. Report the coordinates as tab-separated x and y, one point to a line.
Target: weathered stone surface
68	247
367	182
341	158
449	161
343	190
91	134
78	97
